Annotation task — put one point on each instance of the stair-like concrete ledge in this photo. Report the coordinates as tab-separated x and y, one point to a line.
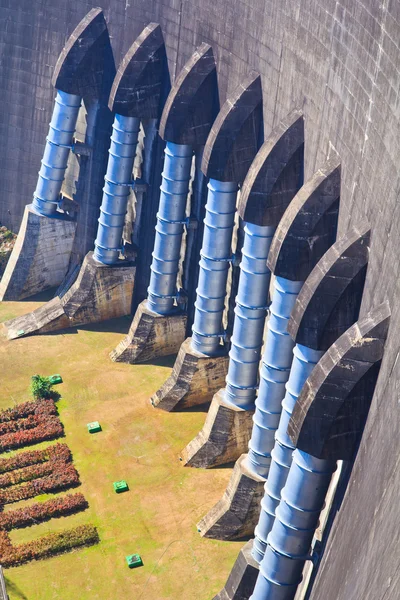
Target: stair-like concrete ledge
40	257
235	516
224	437
194	380
99	293
242	579
151	336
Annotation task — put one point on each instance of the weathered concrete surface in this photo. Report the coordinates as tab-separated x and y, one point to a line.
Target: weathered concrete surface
99	293
194	380
40	257
224	437
242	579
151	335
236	514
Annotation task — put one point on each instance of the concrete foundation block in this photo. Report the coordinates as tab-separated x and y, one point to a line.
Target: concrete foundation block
194	380
235	516
224	437
151	336
242	579
99	293
40	257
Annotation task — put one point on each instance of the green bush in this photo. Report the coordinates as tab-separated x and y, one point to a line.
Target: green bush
41	387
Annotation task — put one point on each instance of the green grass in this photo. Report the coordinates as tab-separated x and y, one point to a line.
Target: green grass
157	517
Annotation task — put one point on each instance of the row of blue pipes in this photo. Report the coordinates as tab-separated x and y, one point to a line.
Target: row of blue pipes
295	491
118	179
265	457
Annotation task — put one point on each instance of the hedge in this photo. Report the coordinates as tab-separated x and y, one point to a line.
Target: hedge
38	513
25	409
23	459
62	476
46	546
26	474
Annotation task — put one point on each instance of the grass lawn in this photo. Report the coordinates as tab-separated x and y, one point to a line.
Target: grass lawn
157	517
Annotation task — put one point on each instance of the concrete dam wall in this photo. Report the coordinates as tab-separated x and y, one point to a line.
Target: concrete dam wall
337	62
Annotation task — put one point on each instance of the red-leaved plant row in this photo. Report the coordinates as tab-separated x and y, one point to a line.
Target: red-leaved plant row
62	476
47	430
29	423
32	465
21	411
38	513
49	545
30	457
25	423
26	474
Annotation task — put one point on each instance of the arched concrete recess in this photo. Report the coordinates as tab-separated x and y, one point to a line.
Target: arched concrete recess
234	137
329	417
309	225
330	299
229	151
305	232
273	179
328	304
339	421
192	104
101	292
188	115
80	67
38	260
142	78
276	174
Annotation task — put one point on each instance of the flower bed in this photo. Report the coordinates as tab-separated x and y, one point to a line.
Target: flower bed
46	546
38	513
29	423
32	473
23	459
21	411
18	424
26	474
57	474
